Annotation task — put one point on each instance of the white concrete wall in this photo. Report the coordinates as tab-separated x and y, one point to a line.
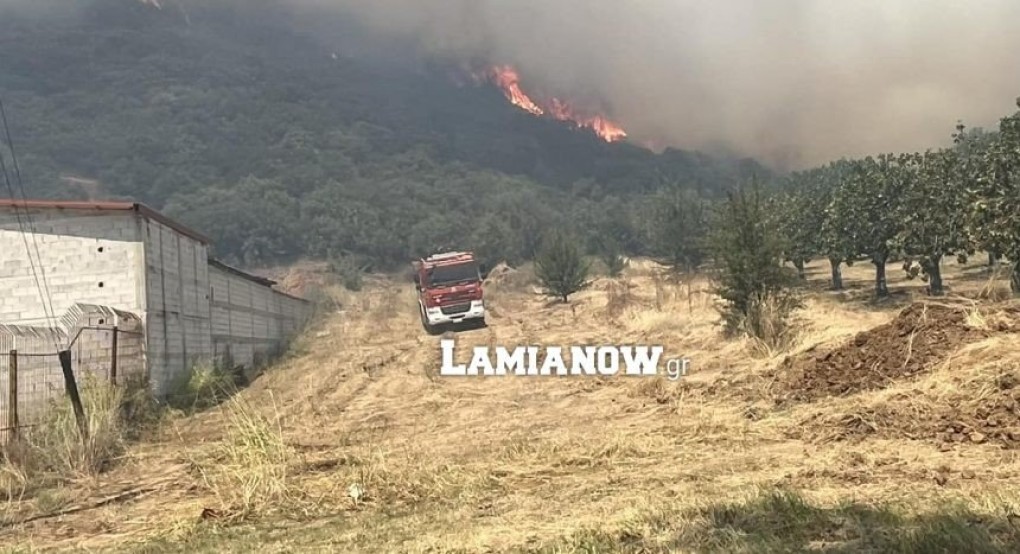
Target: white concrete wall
192	313
88	333
250	321
87	256
177	314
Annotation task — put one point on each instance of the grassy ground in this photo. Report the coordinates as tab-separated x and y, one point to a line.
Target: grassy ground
352	443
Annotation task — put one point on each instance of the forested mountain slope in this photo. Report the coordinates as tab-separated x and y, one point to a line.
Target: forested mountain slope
280	142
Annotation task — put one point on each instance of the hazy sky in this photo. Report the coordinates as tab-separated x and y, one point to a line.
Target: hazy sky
793	82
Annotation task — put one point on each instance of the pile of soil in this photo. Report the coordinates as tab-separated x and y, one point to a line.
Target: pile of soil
300	280
994	419
921	336
500	274
987	412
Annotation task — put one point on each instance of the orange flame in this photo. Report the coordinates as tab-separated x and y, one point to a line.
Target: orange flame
604	128
507	79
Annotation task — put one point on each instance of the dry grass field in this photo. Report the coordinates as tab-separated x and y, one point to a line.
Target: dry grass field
890	427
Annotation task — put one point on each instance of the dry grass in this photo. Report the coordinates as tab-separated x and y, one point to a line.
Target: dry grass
996	287
248	471
37	467
56	446
769	326
704	464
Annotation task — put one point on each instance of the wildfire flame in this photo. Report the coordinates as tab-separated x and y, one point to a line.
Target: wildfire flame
507	79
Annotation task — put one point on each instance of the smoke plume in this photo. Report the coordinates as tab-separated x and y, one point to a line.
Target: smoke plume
792	82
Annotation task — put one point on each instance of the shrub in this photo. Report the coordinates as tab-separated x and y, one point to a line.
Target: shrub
768	320
248	472
611	256
201	387
350	272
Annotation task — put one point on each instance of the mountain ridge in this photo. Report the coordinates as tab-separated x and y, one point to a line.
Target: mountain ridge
171	109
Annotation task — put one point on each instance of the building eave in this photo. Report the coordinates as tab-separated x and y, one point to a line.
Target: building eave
136	207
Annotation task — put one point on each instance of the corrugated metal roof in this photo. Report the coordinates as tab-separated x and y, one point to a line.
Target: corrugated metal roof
105	206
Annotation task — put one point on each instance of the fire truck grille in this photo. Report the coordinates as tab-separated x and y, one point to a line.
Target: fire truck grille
457	309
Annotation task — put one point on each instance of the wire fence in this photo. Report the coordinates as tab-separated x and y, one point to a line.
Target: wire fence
32	382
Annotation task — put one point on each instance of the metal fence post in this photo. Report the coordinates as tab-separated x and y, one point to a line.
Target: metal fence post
72	391
12	395
113	358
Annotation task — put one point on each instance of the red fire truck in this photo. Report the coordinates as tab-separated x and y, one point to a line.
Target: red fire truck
449	290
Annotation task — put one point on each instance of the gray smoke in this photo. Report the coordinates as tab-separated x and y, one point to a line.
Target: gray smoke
792	82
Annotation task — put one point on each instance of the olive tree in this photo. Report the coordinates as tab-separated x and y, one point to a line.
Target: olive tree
836	236
998	207
933	212
869	207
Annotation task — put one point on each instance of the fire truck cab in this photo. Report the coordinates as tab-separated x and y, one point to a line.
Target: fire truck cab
449	290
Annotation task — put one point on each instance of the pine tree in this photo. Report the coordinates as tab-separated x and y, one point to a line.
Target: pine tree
560	267
679	228
751	280
611	255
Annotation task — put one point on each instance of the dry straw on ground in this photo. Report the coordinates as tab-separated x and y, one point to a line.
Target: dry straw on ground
711	463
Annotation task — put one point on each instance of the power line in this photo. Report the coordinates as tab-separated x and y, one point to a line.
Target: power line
23	232
41	284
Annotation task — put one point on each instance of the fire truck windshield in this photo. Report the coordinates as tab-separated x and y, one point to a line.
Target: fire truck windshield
444	276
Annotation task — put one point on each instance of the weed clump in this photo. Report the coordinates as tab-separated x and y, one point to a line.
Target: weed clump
201	387
58	449
248	472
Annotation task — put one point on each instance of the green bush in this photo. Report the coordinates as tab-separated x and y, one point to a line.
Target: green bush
350	272
201	387
611	256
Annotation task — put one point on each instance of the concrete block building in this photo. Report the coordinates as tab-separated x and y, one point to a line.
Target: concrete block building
132	259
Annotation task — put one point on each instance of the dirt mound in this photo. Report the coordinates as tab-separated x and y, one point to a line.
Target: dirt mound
499	274
994	418
982	411
920	336
300	279
990	413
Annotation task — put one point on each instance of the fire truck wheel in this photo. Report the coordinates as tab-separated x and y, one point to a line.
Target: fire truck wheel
430	329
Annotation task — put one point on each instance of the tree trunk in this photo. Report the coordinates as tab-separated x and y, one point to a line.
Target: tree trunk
934	270
837	274
1014	281
799	264
881	287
